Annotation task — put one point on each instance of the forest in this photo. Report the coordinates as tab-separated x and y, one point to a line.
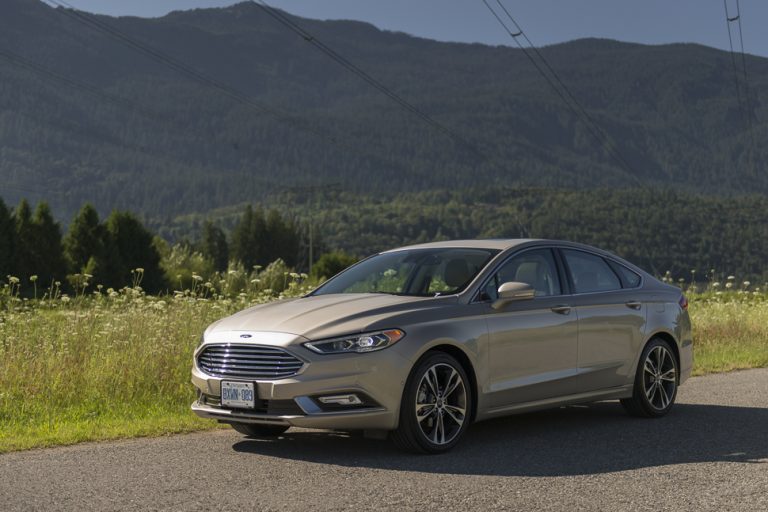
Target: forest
123	131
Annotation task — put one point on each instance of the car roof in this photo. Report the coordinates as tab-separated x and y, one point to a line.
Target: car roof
490	243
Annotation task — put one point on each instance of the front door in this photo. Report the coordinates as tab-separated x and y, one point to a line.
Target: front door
533	342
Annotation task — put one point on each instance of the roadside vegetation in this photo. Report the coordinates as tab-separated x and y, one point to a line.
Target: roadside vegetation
104	364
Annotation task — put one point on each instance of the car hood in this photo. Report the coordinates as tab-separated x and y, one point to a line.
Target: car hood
324	316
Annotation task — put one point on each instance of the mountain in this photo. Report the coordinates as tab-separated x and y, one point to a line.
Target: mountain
134	133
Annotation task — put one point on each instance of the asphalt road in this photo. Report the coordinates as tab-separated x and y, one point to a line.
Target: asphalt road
710	453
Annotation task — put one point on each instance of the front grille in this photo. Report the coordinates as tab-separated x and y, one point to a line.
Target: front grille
248	361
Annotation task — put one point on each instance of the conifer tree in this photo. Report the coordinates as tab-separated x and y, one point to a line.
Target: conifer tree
25	240
7	242
248	238
86	246
133	251
214	246
46	251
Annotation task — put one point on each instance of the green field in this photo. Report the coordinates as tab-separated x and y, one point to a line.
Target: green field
116	364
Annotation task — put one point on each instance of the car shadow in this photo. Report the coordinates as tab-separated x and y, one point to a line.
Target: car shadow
575	440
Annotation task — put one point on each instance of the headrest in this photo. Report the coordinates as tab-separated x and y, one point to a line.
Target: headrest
528	272
456	273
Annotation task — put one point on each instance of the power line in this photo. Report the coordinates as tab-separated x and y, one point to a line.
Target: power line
156	55
744	64
746	108
184	69
347	64
728	21
20	61
568	97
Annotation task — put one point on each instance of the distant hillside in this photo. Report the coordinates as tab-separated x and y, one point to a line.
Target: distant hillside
180	147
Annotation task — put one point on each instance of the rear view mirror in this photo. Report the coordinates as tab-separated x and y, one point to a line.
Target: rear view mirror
512	291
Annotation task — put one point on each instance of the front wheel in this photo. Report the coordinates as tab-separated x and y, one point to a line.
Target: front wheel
256	430
655	382
436	406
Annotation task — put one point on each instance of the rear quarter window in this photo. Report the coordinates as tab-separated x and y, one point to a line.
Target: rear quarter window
629	278
590	273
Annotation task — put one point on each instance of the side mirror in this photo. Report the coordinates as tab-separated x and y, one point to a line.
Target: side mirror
512	291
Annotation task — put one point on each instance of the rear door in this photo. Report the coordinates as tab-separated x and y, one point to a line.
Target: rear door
533	342
611	320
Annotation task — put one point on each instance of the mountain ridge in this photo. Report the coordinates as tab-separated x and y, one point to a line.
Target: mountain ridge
670	110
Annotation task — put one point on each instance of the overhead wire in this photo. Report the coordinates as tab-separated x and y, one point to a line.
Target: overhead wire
180	67
745	106
728	21
119	101
94	22
567	97
290	24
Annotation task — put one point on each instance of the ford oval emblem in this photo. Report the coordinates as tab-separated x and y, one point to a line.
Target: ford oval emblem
246	336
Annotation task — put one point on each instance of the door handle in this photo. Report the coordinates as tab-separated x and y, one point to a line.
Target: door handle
563	310
634	304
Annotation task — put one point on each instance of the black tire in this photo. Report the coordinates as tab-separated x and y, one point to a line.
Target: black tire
257	430
410	434
654	390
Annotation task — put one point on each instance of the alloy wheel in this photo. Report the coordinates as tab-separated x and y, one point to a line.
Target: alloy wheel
441	403
659	377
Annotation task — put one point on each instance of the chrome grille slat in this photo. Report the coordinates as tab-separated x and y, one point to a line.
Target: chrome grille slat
255	367
241	357
248	361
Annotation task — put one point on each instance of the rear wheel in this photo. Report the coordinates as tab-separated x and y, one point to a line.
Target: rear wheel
436	406
255	430
655	382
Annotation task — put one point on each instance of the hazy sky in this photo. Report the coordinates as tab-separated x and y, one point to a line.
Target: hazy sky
545	21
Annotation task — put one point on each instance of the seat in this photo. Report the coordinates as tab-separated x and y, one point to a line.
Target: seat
534	273
456	273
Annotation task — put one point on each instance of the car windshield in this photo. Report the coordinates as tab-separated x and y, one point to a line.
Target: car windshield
416	272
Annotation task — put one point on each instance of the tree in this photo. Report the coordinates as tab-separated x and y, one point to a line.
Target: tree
248	238
282	240
133	248
7	242
331	263
25	240
214	246
46	251
87	247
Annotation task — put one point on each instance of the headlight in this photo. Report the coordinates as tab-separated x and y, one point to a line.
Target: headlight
357	343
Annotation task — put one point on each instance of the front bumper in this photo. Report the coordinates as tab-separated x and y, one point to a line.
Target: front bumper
378	377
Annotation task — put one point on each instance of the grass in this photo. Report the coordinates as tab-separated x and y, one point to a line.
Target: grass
116	364
729	333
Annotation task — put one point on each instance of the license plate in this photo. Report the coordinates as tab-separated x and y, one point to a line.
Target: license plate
241	395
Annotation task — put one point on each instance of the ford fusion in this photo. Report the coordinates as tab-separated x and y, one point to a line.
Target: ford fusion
422	341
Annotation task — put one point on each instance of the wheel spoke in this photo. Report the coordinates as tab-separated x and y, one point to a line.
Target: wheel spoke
668	375
423	411
650	392
663	396
649	368
433	381
453	412
453	383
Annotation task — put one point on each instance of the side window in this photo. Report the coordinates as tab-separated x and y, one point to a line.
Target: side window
590	273
629	278
536	267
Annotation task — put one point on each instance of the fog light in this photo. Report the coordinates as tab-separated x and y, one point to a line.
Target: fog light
341	400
